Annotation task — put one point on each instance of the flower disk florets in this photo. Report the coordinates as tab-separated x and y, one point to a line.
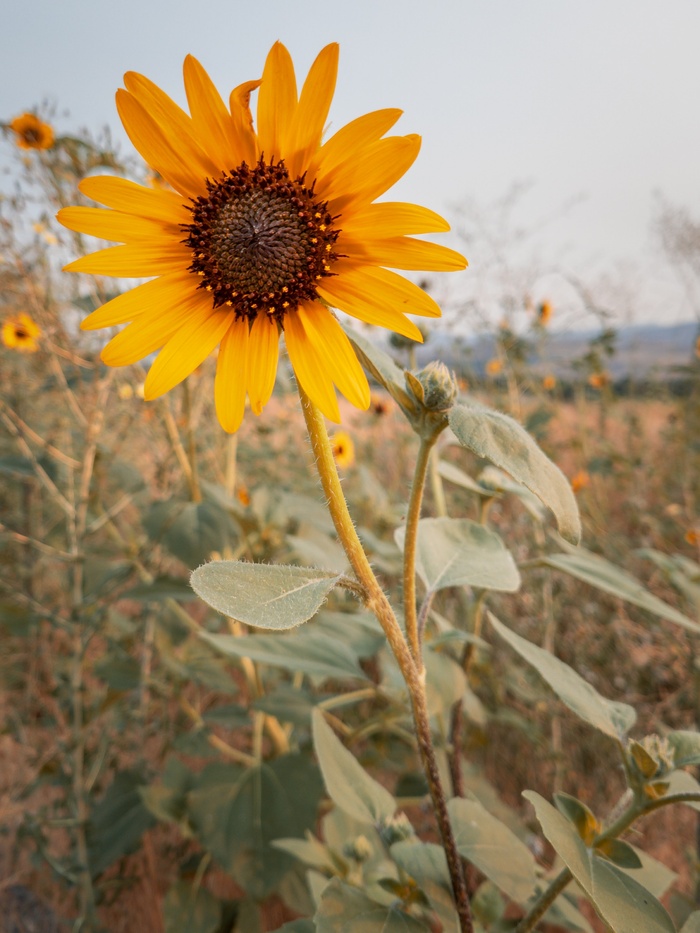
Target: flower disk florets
261	242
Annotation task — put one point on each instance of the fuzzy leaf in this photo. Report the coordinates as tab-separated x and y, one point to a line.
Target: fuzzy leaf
271	596
348	784
605	576
623	903
344	909
613	718
307	651
493	848
498	438
459	552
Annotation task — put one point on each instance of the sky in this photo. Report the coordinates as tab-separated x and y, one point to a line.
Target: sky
592	107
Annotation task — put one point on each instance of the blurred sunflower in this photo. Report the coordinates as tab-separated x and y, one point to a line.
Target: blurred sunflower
343	449
580	480
549	383
494	367
31	132
265	229
20	332
544	313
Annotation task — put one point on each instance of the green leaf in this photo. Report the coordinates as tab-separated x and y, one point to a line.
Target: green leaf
347	783
579	815
298	926
346	910
307	651
686	747
190	530
453	474
692	924
621	901
493	848
270	596
384	370
459	552
194	910
498	438
446	682
600	573
237	815
117	822
120	671
620	853
287	704
426	863
613	718
683	782
161	588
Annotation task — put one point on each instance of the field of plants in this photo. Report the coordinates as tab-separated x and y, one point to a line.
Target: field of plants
268	744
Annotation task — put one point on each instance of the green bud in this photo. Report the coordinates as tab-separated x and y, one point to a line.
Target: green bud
396	829
358	849
439	387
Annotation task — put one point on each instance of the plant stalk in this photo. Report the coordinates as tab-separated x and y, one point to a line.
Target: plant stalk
411	667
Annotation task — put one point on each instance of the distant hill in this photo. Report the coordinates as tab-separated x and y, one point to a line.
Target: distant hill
640	350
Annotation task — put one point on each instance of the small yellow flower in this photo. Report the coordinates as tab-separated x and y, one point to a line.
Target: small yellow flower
343	449
494	367
125	391
549	383
692	536
20	332
379	404
580	481
31	132
544	313
243	495
598	380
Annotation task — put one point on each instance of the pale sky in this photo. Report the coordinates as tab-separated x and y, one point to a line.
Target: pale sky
594	101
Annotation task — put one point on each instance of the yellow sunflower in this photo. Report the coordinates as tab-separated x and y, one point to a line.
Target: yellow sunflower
343	449
265	229
31	132
20	332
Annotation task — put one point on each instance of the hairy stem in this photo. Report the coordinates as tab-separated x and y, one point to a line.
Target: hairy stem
410	665
410	546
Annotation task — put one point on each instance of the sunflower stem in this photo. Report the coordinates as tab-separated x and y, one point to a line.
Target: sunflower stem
191	443
411	668
410	546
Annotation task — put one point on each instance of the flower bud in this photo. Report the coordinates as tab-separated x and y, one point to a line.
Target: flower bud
439	387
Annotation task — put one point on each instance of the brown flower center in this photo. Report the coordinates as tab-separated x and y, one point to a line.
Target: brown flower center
261	241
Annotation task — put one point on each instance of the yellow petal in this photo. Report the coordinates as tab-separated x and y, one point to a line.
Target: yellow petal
335	353
311	114
186	350
347	143
158	148
277	102
156	297
263	351
377	315
135	261
130	198
211	119
177	126
309	369
367	290
231	376
393	218
239	104
113	225
379	166
402	253
152	329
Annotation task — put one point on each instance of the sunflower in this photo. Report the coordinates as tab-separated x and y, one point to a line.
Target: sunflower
343	449
262	231
20	332
31	132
